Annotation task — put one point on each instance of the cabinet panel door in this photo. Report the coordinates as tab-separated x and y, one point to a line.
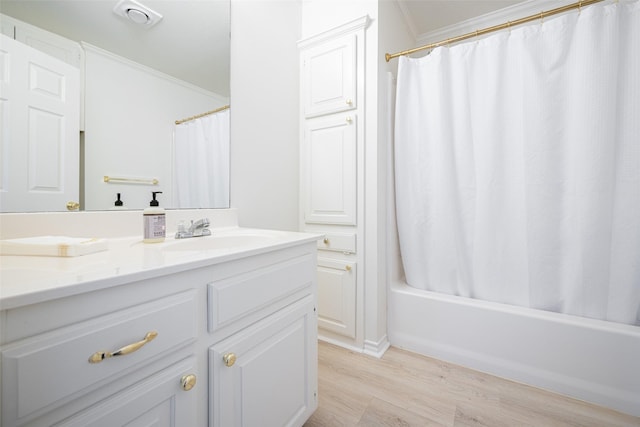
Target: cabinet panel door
157	401
272	380
329	150
329	77
337	296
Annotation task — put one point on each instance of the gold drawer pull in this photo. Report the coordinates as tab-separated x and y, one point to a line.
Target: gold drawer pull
229	359
187	382
349	102
326	241
349	119
99	356
347	267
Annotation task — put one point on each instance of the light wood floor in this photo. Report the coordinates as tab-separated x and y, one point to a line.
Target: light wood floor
407	389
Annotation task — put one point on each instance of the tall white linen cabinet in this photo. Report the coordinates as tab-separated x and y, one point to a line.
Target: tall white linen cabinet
332	135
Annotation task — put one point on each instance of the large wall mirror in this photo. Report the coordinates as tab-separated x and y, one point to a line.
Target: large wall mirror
133	68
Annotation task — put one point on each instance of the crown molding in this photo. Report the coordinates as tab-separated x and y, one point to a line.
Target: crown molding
500	16
347	28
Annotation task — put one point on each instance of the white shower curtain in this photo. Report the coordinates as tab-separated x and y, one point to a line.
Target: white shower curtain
518	165
201	170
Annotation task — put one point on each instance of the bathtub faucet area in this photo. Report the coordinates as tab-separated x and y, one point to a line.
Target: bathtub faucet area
197	228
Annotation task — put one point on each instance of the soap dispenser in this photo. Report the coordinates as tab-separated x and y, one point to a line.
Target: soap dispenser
154	221
118	203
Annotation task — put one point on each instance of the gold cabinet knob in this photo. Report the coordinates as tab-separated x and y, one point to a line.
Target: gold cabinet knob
187	382
347	267
73	206
349	119
229	359
326	241
349	102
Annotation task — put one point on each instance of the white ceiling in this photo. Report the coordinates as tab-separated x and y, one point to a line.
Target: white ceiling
191	42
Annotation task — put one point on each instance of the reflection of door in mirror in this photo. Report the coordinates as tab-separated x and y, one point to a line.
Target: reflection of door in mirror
39	146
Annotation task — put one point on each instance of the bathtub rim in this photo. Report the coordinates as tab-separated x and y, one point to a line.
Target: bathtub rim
569	319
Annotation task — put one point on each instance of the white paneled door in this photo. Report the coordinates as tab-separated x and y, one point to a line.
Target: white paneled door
329	77
329	149
39	140
337	296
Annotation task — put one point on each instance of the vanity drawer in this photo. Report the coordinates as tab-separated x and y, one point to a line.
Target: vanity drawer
338	242
240	300
30	383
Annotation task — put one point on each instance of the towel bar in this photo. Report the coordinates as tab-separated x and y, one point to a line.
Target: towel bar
120	180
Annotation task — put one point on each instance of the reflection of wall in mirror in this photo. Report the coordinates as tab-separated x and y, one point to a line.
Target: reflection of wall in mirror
129	122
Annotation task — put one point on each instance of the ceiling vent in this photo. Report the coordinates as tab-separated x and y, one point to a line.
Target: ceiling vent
137	13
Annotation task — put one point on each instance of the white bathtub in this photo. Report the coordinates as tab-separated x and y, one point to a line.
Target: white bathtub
588	359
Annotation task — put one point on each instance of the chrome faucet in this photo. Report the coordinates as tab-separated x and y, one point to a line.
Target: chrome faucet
198	228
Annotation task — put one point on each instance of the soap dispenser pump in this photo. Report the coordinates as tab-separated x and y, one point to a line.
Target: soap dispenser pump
154	221
118	203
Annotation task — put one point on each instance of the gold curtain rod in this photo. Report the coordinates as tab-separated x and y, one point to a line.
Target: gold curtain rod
217	110
488	30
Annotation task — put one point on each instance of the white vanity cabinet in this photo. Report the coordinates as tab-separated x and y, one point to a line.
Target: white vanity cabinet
177	333
58	368
263	327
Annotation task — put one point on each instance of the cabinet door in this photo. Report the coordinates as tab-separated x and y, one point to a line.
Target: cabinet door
266	375
329	77
160	400
337	296
329	157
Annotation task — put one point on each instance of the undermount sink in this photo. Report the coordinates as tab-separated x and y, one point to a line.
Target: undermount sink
219	242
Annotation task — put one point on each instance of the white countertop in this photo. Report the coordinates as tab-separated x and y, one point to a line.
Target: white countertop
31	279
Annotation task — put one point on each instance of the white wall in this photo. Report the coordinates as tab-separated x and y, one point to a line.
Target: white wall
130	112
264	112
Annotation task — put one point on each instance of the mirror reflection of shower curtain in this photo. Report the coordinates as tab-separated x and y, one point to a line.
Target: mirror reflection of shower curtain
518	165
201	155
